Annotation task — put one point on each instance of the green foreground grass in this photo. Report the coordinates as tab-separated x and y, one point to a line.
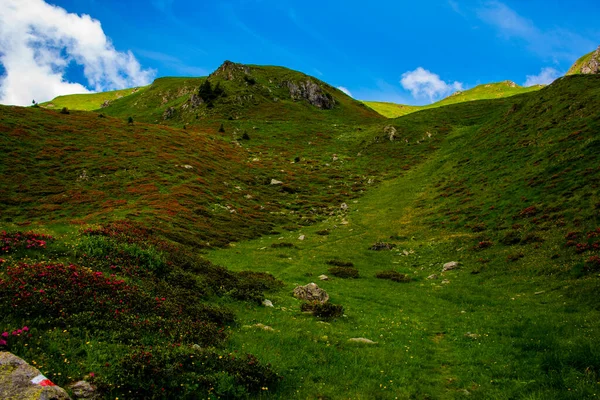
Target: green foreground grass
533	339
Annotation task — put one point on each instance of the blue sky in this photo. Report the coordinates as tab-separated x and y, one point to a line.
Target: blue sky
407	52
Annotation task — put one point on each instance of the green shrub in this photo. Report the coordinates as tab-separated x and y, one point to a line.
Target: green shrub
344	272
393	276
339	263
325	311
281	245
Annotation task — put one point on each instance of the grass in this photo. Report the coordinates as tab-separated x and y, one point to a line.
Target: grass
481	92
507	187
88	102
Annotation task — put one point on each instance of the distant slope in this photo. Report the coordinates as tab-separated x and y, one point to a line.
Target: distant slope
587	64
481	92
242	92
89	101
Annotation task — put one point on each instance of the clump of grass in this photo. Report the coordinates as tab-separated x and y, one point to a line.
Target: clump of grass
393	276
283	245
344	272
324	311
515	257
510	238
378	246
340	263
323	232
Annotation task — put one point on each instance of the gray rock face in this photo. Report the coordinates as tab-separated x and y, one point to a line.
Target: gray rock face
83	390
19	380
311	292
310	91
196	101
593	65
169	113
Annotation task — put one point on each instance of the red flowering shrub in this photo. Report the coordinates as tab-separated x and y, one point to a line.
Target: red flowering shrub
484	244
592	264
22	240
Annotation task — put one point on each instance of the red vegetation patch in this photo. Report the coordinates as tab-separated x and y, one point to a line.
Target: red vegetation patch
19	240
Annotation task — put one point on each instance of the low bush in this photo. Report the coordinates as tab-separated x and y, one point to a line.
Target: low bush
339	263
325	310
282	245
393	276
344	272
378	246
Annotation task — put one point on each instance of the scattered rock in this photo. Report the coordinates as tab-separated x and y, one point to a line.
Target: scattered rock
311	292
361	340
382	246
390	131
187	167
196	101
169	113
538	293
473	336
449	266
267	303
433	276
276	182
19	380
301	237
591	66
334	158
323	277
105	104
259	326
84	391
445	282
344	207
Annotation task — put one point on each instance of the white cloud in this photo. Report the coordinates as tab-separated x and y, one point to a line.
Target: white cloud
39	41
425	84
545	77
343	89
557	43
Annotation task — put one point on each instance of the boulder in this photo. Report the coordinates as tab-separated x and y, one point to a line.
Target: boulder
83	390
449	266
323	277
19	380
301	237
267	303
311	292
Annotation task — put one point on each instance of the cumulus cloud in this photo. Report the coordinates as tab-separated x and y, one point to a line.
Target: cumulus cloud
39	41
545	77
343	89
425	84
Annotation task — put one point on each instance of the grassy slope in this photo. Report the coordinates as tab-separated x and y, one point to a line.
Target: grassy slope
481	92
456	177
88	102
531	302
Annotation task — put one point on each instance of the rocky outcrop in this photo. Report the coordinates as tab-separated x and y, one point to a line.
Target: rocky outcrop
230	71
83	390
169	113
311	292
196	101
588	64
390	132
310	91
105	104
19	380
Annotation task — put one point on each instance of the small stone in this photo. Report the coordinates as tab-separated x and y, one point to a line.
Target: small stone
267	303
445	282
323	277
84	391
433	276
361	340
335	157
538	293
473	336
301	237
276	182
187	167
449	266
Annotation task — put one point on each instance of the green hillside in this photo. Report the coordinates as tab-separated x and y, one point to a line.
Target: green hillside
165	240
89	101
481	92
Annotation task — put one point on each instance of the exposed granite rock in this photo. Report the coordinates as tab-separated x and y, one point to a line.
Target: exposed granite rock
230	71
311	292
169	113
310	91
19	380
